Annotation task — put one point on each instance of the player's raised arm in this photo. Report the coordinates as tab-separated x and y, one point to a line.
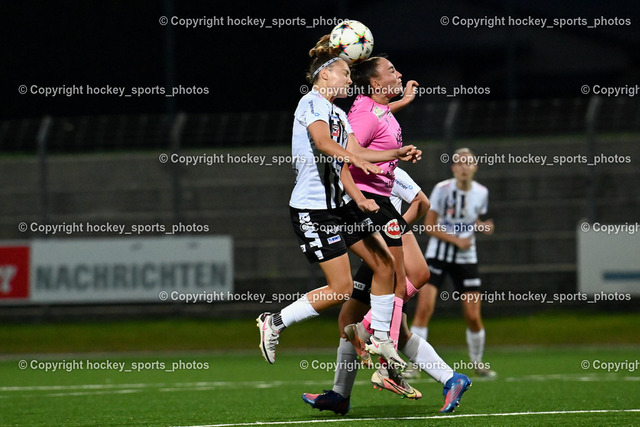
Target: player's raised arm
407	98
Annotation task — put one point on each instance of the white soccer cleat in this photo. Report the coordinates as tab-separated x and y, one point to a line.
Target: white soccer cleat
268	337
385	349
357	334
485	372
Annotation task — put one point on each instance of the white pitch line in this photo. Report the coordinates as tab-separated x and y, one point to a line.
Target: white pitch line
434	417
78	387
211	385
91	393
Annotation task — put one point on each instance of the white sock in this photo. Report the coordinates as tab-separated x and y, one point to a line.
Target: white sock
475	341
346	368
297	311
421	331
381	312
424	355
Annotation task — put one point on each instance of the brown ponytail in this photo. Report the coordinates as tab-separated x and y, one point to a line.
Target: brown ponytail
321	53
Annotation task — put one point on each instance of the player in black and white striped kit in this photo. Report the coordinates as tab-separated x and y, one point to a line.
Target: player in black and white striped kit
328	211
452	220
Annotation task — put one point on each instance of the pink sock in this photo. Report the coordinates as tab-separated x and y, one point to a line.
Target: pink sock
411	291
396	320
366	322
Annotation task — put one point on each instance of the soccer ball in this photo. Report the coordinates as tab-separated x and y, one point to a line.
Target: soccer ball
354	40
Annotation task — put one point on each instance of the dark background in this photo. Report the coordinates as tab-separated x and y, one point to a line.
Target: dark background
255	69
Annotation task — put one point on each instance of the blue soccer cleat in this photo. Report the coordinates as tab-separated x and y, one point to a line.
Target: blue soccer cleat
453	390
329	400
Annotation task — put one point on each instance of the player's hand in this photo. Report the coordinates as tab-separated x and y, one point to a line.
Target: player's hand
487	226
463	243
368	206
409	153
410	91
367	167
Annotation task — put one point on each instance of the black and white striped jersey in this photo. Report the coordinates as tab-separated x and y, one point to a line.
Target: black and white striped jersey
457	211
318	184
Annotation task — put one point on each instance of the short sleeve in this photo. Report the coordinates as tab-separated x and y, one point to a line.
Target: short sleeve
436	199
315	110
364	125
484	208
404	187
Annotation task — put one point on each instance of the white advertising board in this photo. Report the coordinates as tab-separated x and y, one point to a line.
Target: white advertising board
129	270
608	258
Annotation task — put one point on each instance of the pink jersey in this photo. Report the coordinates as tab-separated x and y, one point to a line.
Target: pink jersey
377	129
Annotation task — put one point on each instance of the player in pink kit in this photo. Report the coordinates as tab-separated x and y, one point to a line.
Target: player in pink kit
376	128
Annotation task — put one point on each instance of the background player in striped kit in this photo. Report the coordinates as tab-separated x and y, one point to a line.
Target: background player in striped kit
456	205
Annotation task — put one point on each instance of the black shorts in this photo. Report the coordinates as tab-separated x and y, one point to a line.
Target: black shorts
465	276
327	233
387	220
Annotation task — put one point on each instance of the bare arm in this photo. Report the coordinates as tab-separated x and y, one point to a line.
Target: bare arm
365	205
418	207
406	153
409	96
432	230
320	132
487	226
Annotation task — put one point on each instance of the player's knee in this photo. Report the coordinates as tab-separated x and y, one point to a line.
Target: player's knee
422	278
341	287
384	268
343	291
386	260
389	263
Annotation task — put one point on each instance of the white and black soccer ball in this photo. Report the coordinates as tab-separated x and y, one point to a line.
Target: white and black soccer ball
354	39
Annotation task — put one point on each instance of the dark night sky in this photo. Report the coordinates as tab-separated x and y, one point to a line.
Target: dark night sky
247	68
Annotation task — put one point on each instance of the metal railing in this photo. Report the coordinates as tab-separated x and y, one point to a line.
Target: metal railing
456	118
